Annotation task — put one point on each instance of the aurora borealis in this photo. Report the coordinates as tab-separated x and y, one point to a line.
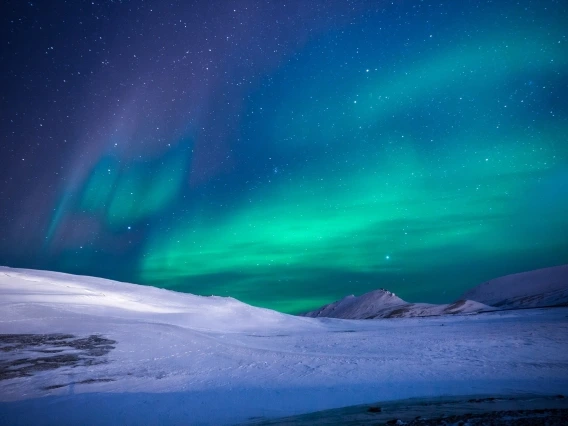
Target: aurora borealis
286	154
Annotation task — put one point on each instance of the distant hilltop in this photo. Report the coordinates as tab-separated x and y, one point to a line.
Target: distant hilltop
534	289
540	288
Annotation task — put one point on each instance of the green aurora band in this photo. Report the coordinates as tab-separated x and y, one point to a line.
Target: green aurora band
396	188
134	193
419	149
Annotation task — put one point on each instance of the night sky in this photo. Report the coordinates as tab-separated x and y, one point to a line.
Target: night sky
285	153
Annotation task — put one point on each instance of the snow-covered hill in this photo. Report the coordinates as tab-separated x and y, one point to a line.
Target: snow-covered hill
30	290
384	304
79	350
539	288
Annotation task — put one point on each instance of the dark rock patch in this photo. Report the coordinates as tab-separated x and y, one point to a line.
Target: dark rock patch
455	305
89	381
538	417
53	387
32	353
482	400
398	313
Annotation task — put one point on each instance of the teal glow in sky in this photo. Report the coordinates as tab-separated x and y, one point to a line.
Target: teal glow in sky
290	155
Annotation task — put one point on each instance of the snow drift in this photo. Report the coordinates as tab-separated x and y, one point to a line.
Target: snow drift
79	350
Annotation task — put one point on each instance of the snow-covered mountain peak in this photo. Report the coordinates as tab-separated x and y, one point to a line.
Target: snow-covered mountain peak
382	303
363	306
538	288
380	297
82	350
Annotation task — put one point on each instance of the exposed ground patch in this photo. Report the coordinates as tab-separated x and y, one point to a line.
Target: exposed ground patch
23	355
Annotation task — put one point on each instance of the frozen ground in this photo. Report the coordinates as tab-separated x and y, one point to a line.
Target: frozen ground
518	410
79	350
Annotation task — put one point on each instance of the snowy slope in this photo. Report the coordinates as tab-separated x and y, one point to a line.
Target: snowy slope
384	304
100	297
79	350
364	306
539	288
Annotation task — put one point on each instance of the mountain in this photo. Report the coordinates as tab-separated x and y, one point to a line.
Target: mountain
533	289
86	351
540	288
384	304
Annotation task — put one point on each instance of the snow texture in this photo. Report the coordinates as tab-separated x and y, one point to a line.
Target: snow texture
384	304
79	350
539	288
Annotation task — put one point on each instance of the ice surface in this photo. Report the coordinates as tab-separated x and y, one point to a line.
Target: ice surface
102	352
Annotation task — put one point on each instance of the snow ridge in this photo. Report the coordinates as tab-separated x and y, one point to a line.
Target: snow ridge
81	350
385	304
361	307
538	288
